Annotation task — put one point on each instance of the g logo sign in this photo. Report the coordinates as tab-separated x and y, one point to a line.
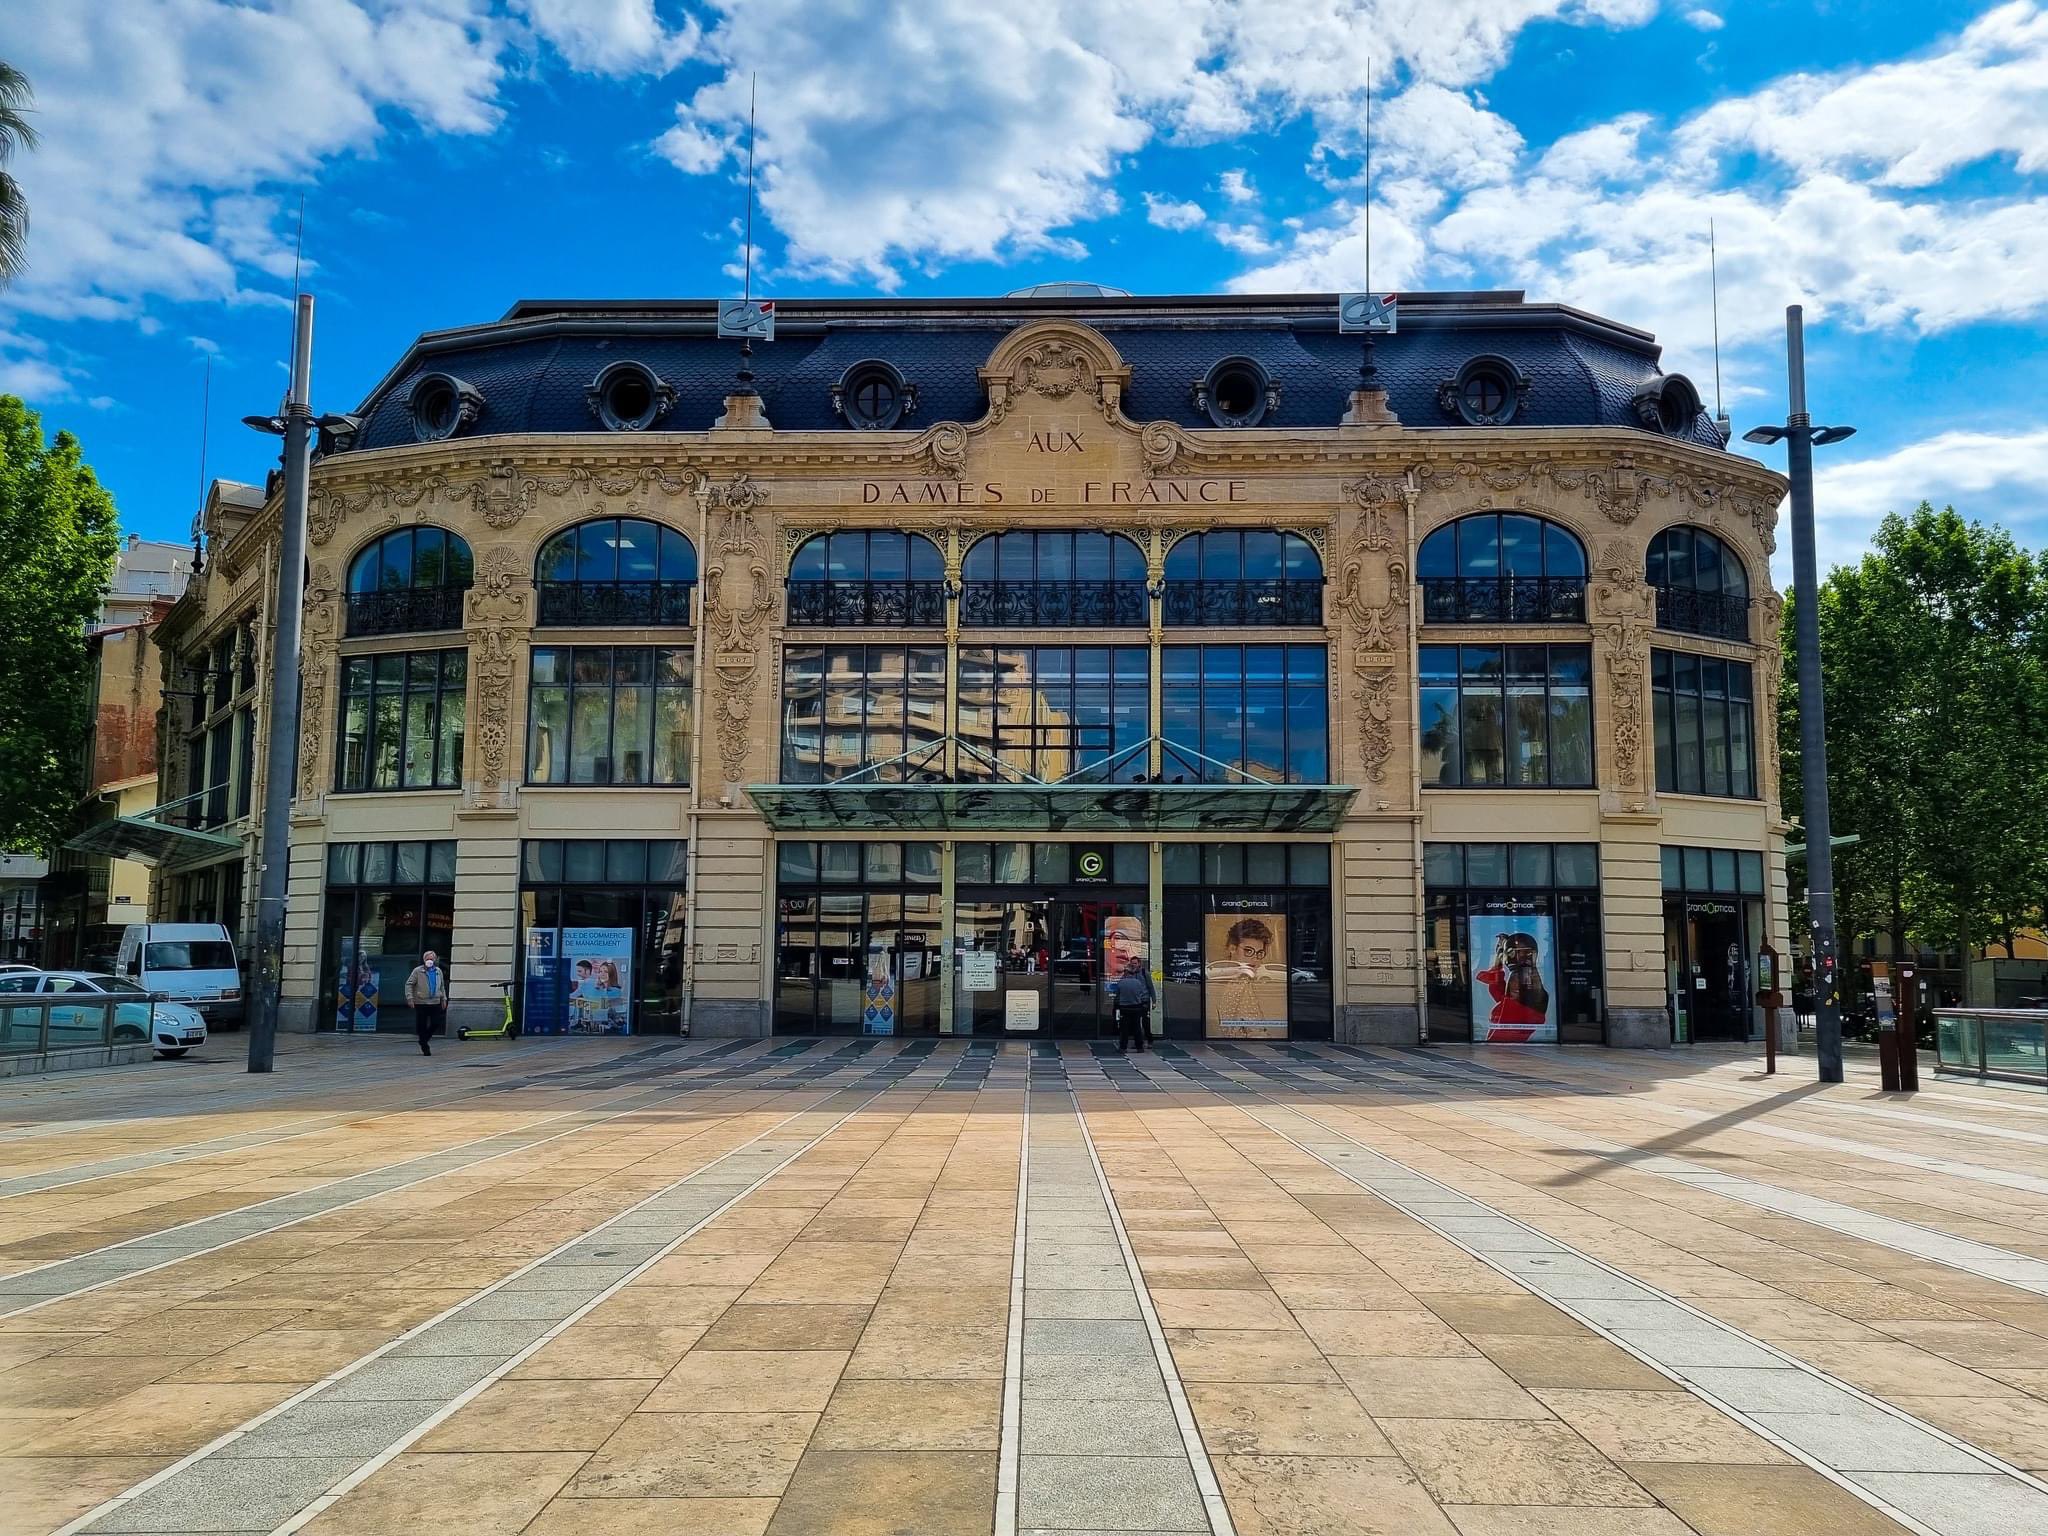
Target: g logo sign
1091	865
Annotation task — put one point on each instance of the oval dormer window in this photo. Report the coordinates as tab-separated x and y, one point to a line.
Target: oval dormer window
1237	392
629	397
441	405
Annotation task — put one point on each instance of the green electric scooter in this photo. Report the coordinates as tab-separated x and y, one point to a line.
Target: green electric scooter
507	1027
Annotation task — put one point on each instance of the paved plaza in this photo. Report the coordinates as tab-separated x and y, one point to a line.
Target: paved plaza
716	1288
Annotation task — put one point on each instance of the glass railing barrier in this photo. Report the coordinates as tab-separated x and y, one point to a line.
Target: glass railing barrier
1996	1042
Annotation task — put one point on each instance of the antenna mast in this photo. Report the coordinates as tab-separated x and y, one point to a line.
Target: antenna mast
1368	366
1714	279
199	513
747	283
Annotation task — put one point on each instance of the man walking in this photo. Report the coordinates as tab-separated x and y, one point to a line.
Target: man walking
1131	995
426	993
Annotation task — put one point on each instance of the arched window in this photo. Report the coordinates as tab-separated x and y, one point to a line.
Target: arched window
861	576
1701	586
408	581
616	571
1253	576
1502	568
1053	580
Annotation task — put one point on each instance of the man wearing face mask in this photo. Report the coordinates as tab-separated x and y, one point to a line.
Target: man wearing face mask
426	993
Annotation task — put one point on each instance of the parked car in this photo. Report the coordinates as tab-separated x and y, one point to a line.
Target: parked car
192	963
173	1027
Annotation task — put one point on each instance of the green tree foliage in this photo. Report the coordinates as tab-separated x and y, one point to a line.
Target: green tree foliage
57	545
1935	661
16	132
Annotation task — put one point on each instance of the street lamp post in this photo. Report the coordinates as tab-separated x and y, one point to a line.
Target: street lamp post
1800	436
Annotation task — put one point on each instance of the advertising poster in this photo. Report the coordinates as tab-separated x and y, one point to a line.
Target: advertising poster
355	991
878	995
1514	980
541	997
1123	948
598	964
1244	995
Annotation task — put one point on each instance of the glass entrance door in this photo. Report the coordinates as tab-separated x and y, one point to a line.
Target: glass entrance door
1705	948
1052	957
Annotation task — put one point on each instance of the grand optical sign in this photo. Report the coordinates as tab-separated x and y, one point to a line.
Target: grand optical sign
1087	493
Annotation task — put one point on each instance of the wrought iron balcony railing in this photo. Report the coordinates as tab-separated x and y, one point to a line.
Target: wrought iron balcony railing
608	604
1219	603
1504	600
405	610
1053	604
855	604
1715	614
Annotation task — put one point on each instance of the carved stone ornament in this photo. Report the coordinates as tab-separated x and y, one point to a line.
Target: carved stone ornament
1625	707
1056	360
739	603
946	447
493	661
502	591
1377	687
1053	369
1164	446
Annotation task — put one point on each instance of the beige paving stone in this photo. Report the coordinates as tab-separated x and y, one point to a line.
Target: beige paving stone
1267	1419
1503	1314
1543	1361
1888	1369
538	1416
904	1351
734	1381
1340	1292
587	1353
697	1454
1327	1496
289	1354
911	1416
694	1268
786	1327
1760	1501
1247	1354
1202	1307
488	1495
1439	1388
178	1331
2014	1428
883	1493
1509	1520
659	1306
76	1383
42	1493
1416	1333
937	1305
836	1273
1659	1426
653	1517
1501	1461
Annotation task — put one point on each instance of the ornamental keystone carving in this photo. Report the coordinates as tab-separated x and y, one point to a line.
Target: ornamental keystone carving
1054	369
1056	360
502	592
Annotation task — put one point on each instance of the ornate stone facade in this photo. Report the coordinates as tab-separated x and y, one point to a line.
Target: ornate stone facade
1054	448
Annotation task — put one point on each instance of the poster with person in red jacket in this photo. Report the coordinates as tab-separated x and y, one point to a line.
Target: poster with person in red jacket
1514	995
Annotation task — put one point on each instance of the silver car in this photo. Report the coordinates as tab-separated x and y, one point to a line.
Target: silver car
174	1028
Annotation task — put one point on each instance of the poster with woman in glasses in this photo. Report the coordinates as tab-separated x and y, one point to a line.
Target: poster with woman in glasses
1514	993
1245	985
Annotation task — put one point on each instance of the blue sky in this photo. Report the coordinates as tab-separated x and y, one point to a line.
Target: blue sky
1887	165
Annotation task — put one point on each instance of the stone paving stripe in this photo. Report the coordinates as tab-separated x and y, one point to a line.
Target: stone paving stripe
1197	1455
113	1167
1984	1260
60	1279
348	1406
1013	1344
1835	1441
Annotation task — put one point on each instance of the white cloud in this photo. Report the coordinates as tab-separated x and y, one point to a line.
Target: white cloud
1168	214
1609	151
1986	476
611	37
1245	239
1022	118
1704	19
1237	187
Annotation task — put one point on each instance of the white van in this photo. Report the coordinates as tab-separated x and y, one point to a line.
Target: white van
187	962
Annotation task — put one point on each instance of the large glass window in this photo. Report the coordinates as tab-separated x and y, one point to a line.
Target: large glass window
387	904
1704	723
1249	949
601	935
867	576
604	714
1051	711
402	720
1261	710
1713	919
1234	576
1513	716
1512	941
616	571
857	938
409	580
846	708
1700	583
1502	568
1056	579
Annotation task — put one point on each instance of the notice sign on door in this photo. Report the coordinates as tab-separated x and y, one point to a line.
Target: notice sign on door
978	971
1020	1010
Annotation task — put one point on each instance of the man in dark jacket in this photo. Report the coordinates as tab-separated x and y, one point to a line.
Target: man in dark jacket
426	993
1131	995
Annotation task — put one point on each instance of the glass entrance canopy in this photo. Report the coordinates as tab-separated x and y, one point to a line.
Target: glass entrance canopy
865	806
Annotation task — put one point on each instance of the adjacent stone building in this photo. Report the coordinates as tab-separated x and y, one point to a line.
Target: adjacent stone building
997	646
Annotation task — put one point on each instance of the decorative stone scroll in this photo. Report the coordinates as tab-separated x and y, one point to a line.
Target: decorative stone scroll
739	603
317	636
